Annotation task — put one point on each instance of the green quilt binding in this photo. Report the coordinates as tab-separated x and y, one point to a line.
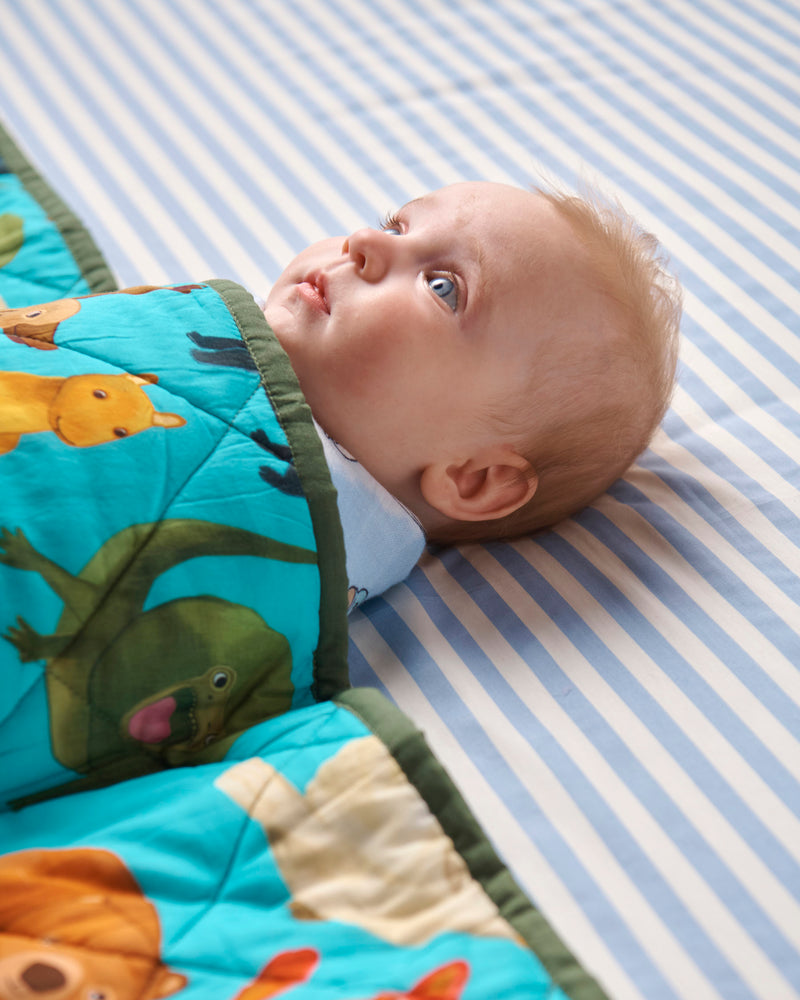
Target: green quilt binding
411	751
85	252
283	389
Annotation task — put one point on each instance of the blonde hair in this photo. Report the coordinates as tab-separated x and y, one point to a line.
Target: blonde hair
589	440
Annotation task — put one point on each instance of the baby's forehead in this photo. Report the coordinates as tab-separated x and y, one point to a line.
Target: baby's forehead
498	214
469	199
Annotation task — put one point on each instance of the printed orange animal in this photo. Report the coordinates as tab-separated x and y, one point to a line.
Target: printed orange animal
445	983
36	326
75	924
290	968
82	410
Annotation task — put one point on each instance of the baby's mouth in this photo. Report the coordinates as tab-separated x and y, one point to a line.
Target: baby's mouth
313	291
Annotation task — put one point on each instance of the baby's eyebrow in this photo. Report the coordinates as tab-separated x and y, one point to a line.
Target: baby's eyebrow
415	201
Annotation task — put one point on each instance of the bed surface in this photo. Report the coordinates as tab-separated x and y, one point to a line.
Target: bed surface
618	699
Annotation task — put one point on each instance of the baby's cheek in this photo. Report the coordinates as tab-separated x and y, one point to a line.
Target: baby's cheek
351	379
377	377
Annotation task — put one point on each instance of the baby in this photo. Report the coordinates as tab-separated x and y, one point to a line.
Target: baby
495	358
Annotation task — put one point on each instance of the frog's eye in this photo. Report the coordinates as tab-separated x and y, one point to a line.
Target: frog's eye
220	679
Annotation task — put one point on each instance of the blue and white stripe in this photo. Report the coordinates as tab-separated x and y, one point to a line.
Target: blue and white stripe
619	700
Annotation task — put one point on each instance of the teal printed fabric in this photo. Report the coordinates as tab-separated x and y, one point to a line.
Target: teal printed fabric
242	879
158	562
193	803
45	252
34	258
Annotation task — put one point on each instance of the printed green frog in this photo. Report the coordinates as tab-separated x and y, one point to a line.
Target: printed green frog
131	691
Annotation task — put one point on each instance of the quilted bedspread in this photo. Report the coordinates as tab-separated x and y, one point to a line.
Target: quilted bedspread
192	800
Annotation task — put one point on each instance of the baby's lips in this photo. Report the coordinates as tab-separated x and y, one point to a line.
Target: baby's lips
319	281
312	290
312	296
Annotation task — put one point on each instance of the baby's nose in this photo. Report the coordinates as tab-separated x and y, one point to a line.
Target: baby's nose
369	250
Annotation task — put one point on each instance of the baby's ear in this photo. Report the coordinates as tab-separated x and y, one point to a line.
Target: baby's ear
493	483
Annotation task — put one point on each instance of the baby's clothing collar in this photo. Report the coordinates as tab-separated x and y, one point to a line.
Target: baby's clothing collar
382	538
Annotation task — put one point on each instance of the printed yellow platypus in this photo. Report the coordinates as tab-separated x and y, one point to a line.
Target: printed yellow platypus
82	410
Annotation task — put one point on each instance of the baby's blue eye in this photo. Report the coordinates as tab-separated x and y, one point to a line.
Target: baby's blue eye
446	289
391	225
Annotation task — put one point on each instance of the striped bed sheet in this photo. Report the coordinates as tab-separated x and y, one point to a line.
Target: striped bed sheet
619	698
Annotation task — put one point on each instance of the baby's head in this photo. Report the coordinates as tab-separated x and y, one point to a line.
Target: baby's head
495	357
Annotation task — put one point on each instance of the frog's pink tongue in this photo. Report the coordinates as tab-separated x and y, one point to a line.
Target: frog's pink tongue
151	723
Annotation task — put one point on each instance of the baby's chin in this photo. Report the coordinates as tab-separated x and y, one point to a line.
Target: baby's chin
281	322
279	317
